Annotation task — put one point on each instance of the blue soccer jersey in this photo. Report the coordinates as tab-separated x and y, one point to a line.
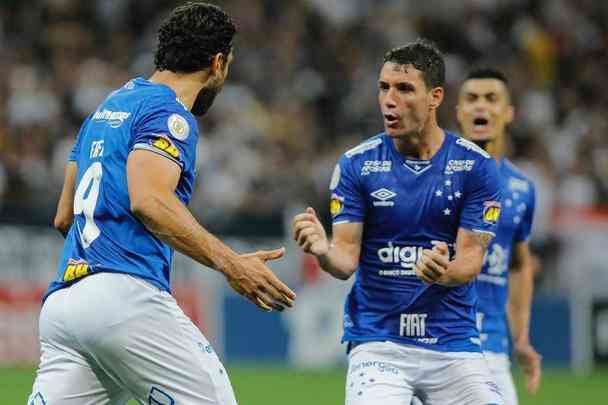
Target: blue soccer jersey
105	235
514	226
405	206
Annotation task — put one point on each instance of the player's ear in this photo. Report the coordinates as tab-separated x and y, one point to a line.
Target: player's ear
436	95
218	62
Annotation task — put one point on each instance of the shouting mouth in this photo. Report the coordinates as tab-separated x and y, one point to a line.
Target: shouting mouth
481	125
391	120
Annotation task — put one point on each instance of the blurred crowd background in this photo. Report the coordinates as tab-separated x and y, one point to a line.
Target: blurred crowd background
302	90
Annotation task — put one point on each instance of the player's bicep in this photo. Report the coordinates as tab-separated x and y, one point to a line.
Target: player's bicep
65	208
347	238
481	209
150	175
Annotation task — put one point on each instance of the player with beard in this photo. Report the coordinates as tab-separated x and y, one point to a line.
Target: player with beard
505	284
414	209
109	328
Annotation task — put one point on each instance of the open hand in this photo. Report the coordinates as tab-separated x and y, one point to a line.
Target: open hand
530	362
250	277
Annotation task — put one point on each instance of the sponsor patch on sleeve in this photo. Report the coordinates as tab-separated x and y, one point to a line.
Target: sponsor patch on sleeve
336	205
164	144
491	212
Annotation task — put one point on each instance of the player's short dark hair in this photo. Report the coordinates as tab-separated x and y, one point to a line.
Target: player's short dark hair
424	56
487	73
191	36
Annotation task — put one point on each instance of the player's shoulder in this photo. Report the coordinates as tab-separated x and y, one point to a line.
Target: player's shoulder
153	101
158	97
517	180
466	148
365	148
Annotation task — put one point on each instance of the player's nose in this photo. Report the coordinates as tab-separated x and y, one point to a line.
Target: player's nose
389	101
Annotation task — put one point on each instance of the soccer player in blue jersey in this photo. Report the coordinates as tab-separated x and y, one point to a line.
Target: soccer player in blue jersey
506	281
414	209
109	328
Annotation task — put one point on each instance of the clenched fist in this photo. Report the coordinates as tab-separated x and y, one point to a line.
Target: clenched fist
432	266
309	233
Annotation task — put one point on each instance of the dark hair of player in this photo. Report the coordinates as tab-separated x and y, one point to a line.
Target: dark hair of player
191	36
424	56
487	73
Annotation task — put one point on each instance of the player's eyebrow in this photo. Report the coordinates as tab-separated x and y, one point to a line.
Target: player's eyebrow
405	86
476	94
399	85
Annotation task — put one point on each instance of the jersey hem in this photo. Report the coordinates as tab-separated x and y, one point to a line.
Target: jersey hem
56	286
465	347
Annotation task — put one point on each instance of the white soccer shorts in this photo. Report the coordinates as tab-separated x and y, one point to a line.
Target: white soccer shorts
500	367
390	374
111	337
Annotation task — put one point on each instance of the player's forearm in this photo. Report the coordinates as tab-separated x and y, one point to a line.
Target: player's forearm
338	262
64	216
169	220
463	269
471	247
521	286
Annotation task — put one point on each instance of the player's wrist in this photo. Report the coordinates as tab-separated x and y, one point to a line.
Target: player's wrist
226	265
521	342
323	253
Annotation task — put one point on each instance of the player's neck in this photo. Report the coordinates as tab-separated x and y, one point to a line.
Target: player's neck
421	146
496	148
185	86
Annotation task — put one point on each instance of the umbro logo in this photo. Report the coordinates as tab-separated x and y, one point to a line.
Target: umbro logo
382	197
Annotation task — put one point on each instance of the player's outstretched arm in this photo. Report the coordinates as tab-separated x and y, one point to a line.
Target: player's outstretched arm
65	208
521	287
339	258
152	180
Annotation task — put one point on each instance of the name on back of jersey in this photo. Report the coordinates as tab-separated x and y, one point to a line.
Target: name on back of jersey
96	149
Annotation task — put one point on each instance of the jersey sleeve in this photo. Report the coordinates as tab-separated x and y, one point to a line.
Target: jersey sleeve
347	203
522	233
167	132
481	208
